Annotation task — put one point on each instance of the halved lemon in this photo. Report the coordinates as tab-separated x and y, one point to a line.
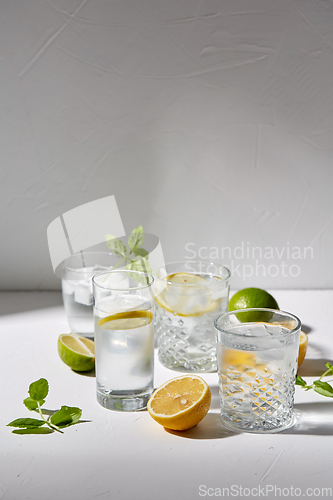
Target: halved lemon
126	320
76	351
303	345
180	403
187	294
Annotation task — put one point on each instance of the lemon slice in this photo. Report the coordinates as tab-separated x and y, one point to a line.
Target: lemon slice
76	352
194	298
126	320
303	345
236	358
180	403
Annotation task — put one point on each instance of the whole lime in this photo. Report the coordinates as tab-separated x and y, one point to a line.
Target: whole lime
253	298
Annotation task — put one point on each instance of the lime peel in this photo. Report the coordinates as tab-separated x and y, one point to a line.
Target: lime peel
76	352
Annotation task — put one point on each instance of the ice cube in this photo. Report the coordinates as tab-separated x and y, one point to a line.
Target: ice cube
68	286
259	330
83	293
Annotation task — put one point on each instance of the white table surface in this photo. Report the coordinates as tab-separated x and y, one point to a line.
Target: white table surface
129	456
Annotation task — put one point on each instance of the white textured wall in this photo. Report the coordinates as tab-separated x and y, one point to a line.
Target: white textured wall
211	121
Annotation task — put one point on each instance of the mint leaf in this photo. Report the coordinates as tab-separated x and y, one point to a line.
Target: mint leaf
329	366
39	390
26	422
136	238
31	404
300	381
140	252
323	388
67	415
35	430
116	245
141	264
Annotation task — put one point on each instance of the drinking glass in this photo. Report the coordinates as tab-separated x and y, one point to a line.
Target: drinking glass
77	293
189	296
257	352
124	339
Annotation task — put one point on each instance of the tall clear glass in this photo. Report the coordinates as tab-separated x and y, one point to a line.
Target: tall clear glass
257	352
77	293
189	296
124	339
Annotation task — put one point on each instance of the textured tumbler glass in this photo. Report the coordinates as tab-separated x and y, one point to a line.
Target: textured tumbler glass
124	339
189	296
257	352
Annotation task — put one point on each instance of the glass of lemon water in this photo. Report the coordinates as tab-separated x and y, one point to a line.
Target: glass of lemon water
189	296
124	339
257	351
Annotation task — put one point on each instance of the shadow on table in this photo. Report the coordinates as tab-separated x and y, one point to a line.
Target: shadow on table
209	428
19	302
306	329
313	367
312	418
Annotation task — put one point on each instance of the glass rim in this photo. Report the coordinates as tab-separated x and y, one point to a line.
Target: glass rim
254	309
77	254
164	280
151	280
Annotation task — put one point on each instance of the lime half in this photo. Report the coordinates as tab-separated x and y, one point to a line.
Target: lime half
76	352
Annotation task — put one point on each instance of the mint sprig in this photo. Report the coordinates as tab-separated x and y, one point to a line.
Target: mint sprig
323	388
67	415
134	258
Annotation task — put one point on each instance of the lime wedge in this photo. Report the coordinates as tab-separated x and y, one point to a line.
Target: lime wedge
126	320
76	352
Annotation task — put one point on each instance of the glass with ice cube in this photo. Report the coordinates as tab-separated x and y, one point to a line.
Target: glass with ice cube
257	352
77	273
124	339
189	296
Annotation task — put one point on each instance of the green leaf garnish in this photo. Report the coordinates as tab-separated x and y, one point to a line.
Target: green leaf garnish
323	388
26	422
136	238
300	381
39	390
31	404
140	251
35	430
136	258
67	415
116	245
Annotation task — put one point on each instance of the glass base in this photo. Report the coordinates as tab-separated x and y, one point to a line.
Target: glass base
126	402
264	427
